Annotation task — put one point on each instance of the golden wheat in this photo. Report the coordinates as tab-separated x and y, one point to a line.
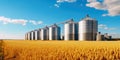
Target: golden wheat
1	50
61	50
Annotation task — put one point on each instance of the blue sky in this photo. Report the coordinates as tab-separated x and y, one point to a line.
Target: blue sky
20	16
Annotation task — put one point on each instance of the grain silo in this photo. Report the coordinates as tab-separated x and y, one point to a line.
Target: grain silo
45	33
32	35
100	37
88	28
35	34
70	30
54	32
26	36
39	34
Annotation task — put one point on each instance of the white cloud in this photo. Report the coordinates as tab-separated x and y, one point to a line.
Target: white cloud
112	6
105	27
56	5
101	26
35	22
91	0
19	21
70	1
6	20
96	5
58	2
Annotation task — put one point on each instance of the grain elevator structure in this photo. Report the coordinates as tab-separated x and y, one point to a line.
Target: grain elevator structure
37	34
54	32
88	28
70	30
84	30
45	33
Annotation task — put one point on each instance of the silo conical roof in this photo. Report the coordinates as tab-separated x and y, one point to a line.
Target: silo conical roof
88	18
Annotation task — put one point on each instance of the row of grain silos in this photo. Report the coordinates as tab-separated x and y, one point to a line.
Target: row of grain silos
84	30
46	33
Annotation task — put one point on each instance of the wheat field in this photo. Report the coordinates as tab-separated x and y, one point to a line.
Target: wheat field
61	50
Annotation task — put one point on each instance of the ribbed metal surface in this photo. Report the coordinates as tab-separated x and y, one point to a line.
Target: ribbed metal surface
76	31
26	36
95	29
70	30
54	32
32	35
45	33
88	29
36	35
39	34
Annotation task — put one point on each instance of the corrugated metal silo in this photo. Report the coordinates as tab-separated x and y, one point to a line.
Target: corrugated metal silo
26	36
32	35
88	28
70	30
39	34
95	29
35	34
54	32
45	33
76	31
